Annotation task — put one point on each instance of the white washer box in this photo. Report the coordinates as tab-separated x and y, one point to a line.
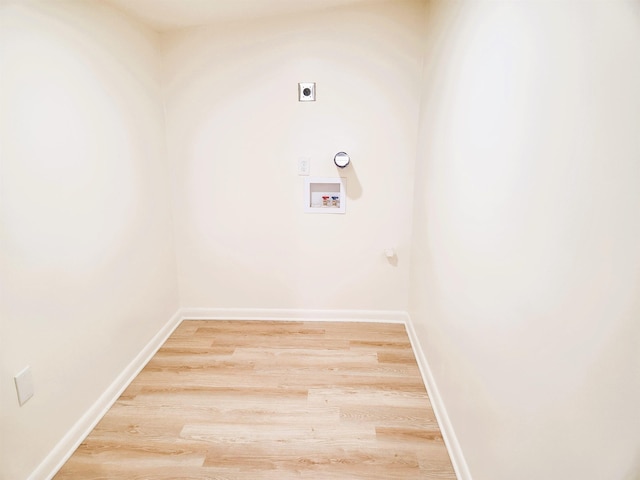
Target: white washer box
317	187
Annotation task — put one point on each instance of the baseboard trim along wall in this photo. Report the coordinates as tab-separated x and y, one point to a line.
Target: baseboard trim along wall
68	444
74	437
448	434
383	316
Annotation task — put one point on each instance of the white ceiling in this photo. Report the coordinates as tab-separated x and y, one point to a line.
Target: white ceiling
165	15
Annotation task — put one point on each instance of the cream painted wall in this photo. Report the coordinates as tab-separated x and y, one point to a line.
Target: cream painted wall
88	264
525	279
525	263
235	131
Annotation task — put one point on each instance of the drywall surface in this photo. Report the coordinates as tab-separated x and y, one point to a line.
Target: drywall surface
88	267
525	283
235	132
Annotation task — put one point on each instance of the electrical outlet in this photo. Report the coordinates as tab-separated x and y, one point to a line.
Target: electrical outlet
307	92
304	166
24	385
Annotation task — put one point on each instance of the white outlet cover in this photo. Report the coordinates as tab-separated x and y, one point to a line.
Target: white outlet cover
304	166
24	385
307	92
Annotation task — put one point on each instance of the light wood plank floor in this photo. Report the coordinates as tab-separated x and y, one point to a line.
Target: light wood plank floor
246	400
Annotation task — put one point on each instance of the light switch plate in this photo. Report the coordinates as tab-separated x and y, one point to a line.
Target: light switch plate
24	385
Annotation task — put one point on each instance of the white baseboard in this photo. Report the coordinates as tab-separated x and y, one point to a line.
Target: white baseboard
451	441
385	316
74	437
